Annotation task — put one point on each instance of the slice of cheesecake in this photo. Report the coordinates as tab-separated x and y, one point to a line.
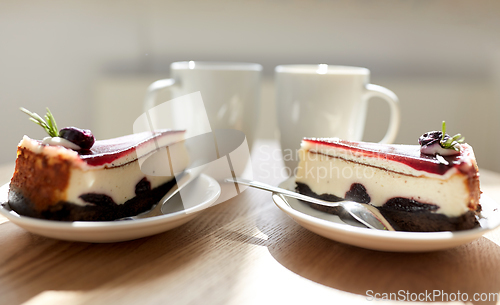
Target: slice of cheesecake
414	190
104	182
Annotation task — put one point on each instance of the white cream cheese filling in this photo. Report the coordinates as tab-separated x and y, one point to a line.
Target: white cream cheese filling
334	175
117	182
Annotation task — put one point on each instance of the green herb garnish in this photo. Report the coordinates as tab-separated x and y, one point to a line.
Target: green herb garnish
50	125
451	142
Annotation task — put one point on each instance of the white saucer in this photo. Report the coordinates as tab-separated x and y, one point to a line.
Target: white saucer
330	226
204	191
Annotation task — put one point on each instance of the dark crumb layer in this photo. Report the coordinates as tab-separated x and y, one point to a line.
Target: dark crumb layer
404	214
103	209
424	221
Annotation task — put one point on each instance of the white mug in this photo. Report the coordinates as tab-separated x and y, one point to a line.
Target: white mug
230	93
326	101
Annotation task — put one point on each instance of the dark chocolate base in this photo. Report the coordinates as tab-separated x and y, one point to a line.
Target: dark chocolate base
404	214
102	208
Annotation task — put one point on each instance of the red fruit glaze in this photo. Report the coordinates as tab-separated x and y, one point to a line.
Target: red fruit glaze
407	154
107	151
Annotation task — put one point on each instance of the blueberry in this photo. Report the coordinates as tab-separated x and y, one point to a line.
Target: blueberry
81	137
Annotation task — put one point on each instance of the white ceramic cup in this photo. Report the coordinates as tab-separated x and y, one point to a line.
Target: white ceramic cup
326	101
230	92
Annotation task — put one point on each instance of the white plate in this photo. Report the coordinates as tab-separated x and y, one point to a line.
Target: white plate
330	226
204	191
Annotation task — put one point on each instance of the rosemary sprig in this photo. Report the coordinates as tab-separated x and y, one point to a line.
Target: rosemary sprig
50	125
451	142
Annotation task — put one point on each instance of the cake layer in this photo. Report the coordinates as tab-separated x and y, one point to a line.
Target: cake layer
334	175
55	176
112	172
413	190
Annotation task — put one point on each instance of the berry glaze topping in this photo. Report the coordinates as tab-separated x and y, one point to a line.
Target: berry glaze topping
112	152
107	151
409	155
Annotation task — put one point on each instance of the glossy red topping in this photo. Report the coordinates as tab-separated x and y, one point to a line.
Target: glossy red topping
107	151
407	154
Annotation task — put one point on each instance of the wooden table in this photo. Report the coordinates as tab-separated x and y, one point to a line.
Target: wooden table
243	251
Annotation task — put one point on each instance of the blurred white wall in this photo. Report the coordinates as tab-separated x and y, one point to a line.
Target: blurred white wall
441	57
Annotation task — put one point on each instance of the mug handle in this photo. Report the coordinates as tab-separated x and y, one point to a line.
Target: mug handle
393	101
153	89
